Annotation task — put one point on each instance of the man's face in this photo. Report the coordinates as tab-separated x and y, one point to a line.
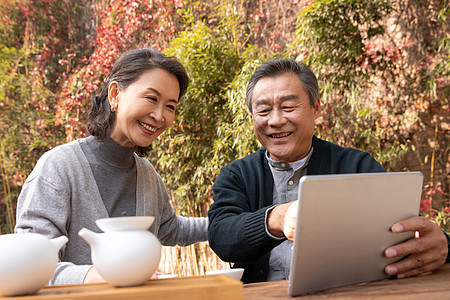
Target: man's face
283	118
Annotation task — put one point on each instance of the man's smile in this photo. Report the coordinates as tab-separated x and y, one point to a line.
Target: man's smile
280	135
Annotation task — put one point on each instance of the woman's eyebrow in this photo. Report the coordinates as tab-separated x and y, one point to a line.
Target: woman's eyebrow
152	90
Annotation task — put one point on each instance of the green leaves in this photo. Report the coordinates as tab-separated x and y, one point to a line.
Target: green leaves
383	74
26	124
384	78
335	34
213	127
184	154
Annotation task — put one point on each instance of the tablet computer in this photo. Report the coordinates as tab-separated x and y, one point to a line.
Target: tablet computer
343	227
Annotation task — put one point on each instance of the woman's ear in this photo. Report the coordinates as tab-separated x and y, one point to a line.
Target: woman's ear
113	93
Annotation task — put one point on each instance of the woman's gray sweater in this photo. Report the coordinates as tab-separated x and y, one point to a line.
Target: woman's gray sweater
61	196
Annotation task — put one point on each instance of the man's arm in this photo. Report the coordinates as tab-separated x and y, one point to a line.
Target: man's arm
237	229
426	253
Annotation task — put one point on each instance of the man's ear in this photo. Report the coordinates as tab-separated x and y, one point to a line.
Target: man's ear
317	108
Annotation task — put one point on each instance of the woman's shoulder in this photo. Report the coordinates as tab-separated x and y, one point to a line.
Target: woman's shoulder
58	164
62	154
61	161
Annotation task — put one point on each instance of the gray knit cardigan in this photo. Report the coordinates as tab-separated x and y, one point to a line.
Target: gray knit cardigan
60	197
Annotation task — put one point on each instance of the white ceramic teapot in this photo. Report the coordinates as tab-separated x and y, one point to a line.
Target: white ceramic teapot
127	253
27	262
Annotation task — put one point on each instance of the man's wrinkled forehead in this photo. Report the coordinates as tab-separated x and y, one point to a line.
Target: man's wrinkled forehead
269	89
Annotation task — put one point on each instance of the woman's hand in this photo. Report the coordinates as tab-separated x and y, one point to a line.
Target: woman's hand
93	276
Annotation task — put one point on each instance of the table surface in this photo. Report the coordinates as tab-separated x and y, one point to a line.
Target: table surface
216	287
431	286
434	285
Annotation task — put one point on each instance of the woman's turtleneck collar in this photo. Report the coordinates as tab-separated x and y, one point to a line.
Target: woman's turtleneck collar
112	152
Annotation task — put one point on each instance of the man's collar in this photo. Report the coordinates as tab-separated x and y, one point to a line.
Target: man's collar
284	165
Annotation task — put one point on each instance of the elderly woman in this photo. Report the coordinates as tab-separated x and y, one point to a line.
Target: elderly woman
105	175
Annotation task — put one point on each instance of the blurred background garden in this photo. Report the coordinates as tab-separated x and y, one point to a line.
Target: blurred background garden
383	68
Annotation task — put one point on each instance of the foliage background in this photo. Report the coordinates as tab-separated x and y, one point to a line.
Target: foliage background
383	72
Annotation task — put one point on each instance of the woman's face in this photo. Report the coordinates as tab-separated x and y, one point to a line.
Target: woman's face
145	109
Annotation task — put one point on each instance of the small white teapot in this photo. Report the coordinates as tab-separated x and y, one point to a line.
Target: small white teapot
27	262
127	253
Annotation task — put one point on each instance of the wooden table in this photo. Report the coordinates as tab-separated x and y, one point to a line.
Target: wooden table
215	287
219	287
430	286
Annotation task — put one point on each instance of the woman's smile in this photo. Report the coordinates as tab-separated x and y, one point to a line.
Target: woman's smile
147	127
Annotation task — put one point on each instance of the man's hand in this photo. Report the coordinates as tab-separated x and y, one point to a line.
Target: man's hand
426	253
282	219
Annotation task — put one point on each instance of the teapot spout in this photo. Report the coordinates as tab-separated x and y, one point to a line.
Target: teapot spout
89	236
59	241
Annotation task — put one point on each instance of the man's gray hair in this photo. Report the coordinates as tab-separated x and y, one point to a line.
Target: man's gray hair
280	66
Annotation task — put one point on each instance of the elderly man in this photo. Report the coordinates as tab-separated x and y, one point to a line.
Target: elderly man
252	219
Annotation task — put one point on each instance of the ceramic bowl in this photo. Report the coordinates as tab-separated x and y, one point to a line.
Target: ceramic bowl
233	273
166	276
125	223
